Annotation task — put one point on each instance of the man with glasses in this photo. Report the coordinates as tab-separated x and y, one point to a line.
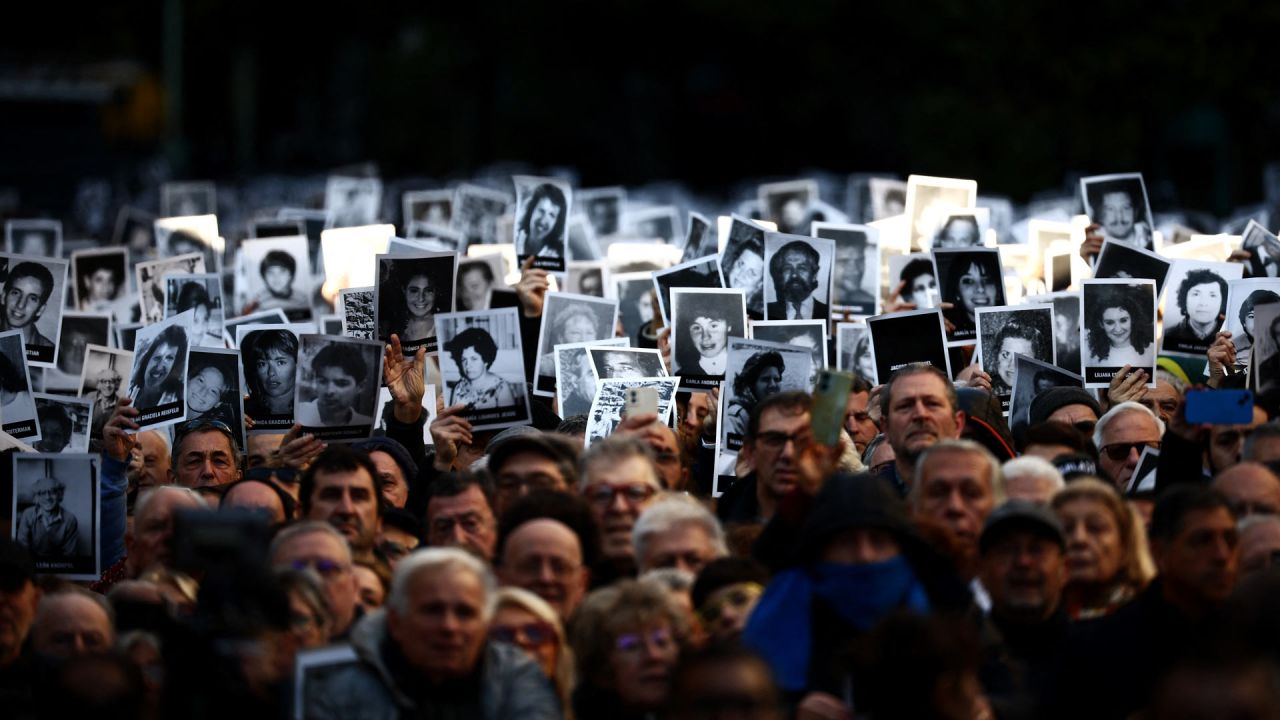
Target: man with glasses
548	543
460	514
530	461
778	431
46	529
677	532
318	546
619	480
1120	437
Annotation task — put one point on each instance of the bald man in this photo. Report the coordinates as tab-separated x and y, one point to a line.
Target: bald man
544	557
1251	488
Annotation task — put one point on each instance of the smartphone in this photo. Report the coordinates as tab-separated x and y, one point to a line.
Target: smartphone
1219	407
640	400
830	398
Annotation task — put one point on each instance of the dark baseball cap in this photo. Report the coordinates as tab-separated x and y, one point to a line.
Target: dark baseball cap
1025	515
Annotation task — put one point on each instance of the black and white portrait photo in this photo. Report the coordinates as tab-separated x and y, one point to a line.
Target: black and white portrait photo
1119	329
65	423
1119	204
158	379
1243	297
351	201
35	238
56	512
909	337
637	303
79	331
103	382
274	273
135	231
356	307
269	364
1264	250
542	217
970	279
917	278
476	211
930	200
576	375
787	204
702	321
742	263
482	366
1265	363
888	197
188	198
100	279
411	291
588	277
655	223
855	274
17	406
1195	303
32	303
614	363
1004	333
807	335
700	239
337	386
603	208
797	285
1066	328
699	273
611	398
853	350
1118	260
198	234
214	389
1032	377
477	277
961	229
202	295
151	282
568	318
758	369
428	208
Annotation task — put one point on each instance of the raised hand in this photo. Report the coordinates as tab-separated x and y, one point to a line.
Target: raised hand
117	440
297	450
1128	384
1092	244
405	378
447	432
532	288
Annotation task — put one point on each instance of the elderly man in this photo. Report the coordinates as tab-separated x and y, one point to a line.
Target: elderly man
1259	544
318	546
1068	405
340	488
148	541
71	624
548	542
396	469
105	395
1226	442
794	270
857	417
918	407
1031	478
460	514
1263	444
957	484
1251	488
619	481
1120	437
46	529
205	455
677	532
428	654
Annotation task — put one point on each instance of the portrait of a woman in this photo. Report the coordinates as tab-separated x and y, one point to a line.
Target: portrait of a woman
271	360
1014	338
973	282
743	266
1202	298
1119	333
208	390
920	285
541	229
704	328
574	323
473	351
417	295
157	380
761	376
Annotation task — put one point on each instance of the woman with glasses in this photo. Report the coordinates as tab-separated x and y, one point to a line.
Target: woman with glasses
1107	559
310	618
627	639
525	620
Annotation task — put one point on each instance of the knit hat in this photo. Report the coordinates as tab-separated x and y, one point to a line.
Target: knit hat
1048	402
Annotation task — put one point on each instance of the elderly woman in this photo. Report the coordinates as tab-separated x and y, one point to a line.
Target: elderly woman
761	376
1119	333
573	324
310	618
1107	559
528	622
973	282
627	638
473	351
270	360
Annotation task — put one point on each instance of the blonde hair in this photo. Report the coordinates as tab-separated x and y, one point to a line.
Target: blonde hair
522	599
1136	566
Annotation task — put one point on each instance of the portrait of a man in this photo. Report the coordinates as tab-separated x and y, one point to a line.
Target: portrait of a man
1118	203
105	395
45	528
794	270
339	373
278	271
26	294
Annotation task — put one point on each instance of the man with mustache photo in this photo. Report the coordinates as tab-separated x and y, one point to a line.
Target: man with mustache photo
794	270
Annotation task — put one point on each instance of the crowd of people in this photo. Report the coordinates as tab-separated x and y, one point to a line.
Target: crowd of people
929	564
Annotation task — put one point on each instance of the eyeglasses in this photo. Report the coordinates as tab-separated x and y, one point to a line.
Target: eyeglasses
634	643
534	634
393	550
510	483
1119	451
605	495
738	598
326	568
774	440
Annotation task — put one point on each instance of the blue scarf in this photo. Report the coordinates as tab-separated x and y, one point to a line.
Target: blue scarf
781	628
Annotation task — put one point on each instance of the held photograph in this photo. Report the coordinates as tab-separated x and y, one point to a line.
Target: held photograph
337	386
482	366
56	512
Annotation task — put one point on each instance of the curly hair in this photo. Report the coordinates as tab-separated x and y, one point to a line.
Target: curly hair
1021	330
576	311
174	336
1202	276
475	338
280	259
734	252
1140	333
754	366
545	191
911	271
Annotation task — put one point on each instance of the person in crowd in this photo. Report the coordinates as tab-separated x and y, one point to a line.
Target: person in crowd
724	595
777	434
278	270
205	454
339	377
1119	333
619	480
1166	398
1072	406
460	514
531	461
263	496
548	542
1263	444
429	652
371	590
1031	478
1050	440
396	469
158	379
918	407
72	623
794	270
857	418
318	547
1251	488
971	284
310	617
401	534
1224	444
724	678
1259	545
526	621
148	541
27	288
627	639
473	351
677	532
271	360
1120	436
956	486
19	599
340	487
